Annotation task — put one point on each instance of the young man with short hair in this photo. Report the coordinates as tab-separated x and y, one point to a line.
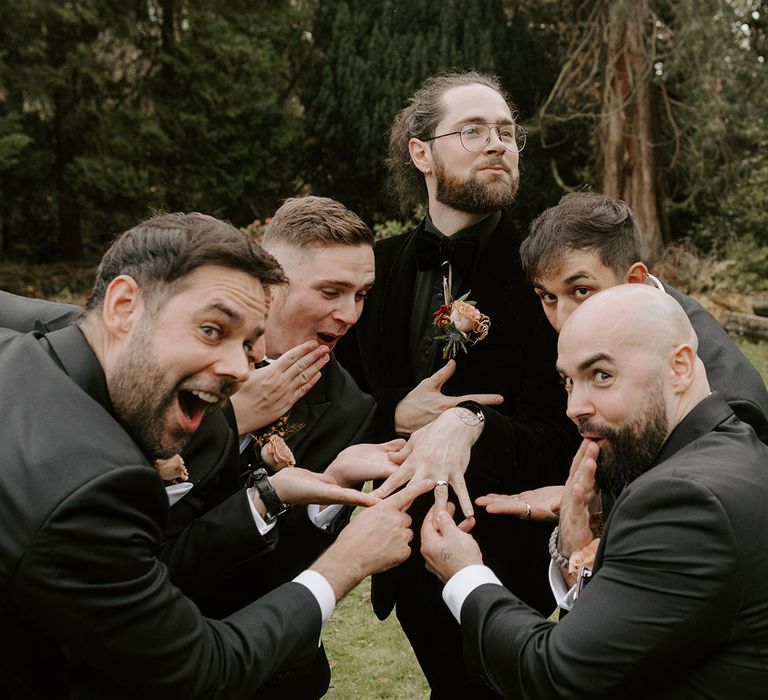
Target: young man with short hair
178	305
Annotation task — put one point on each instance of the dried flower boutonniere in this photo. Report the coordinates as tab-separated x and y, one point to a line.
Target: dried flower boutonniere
460	322
272	448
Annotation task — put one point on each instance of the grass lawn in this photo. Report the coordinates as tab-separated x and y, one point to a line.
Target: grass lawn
370	659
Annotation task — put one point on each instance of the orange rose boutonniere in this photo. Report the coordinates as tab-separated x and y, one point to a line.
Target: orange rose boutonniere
461	324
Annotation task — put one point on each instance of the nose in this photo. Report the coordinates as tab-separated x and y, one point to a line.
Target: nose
564	310
494	144
347	311
579	403
233	362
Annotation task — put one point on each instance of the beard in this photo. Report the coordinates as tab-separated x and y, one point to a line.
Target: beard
141	399
471	195
630	449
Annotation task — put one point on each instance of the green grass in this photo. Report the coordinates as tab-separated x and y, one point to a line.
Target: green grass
757	354
370	659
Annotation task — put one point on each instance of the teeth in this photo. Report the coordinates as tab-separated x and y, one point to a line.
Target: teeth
205	396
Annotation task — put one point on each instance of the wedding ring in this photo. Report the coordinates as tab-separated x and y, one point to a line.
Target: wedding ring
441	482
527	515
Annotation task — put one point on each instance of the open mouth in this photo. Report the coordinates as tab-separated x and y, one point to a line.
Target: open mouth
328	339
194	405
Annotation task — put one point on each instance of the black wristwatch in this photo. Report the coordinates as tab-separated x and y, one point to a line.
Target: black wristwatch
475	407
268	495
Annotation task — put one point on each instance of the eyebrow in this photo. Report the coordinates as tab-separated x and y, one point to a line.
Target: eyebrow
222	308
481	120
577	276
586	364
345	284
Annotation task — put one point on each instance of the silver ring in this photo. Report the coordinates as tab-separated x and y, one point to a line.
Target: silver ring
527	515
441	482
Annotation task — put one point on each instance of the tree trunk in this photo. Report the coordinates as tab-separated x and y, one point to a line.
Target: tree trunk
70	239
627	168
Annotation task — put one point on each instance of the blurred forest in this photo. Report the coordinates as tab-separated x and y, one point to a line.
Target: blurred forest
112	109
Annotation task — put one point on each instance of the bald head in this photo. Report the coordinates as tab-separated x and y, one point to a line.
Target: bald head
628	360
640	314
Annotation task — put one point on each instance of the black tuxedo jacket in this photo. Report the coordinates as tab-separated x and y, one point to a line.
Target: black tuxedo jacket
527	442
210	537
678	604
86	608
728	371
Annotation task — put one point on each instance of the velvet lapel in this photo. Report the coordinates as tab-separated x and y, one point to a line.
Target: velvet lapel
393	318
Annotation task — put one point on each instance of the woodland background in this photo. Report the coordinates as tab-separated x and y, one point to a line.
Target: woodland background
113	109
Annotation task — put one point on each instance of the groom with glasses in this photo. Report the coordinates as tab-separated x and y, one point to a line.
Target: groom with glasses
456	147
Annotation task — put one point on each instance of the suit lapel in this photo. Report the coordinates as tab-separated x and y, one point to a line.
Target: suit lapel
307	411
393	318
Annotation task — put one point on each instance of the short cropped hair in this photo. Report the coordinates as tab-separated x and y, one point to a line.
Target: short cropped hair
160	252
316	222
418	119
582	221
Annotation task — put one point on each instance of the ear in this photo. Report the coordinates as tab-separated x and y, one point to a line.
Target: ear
420	155
122	306
684	361
637	274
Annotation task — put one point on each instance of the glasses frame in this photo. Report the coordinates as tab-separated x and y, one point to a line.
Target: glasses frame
520	133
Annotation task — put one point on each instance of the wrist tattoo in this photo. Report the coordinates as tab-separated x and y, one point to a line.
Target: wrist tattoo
466	416
445	554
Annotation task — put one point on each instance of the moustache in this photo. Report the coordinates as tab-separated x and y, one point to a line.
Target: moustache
494	163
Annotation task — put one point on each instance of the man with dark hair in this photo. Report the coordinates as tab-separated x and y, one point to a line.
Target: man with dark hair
676	602
176	310
456	145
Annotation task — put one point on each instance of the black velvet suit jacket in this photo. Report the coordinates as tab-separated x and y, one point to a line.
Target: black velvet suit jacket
678	604
527	442
86	608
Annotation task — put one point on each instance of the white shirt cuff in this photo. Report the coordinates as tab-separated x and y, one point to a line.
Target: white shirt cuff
320	588
463	582
323	518
263	526
176	492
564	596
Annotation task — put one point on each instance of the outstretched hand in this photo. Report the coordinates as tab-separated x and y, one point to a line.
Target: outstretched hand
271	391
439	451
365	462
301	486
375	540
544	503
426	402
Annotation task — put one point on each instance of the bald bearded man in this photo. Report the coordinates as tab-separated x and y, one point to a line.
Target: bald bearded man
677	604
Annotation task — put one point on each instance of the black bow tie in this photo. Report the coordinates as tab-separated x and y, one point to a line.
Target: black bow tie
432	251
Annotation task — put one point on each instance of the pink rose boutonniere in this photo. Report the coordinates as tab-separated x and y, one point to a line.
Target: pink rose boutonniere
461	324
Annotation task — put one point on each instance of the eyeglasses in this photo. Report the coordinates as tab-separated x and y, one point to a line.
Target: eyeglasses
475	137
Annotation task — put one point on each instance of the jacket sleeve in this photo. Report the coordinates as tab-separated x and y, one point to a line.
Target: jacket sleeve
90	579
658	603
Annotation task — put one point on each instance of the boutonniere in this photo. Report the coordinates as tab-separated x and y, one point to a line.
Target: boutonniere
460	322
173	470
273	449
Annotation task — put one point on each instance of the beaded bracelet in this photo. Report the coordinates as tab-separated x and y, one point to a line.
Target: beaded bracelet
559	559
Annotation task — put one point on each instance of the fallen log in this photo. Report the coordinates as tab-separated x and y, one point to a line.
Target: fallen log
747	325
